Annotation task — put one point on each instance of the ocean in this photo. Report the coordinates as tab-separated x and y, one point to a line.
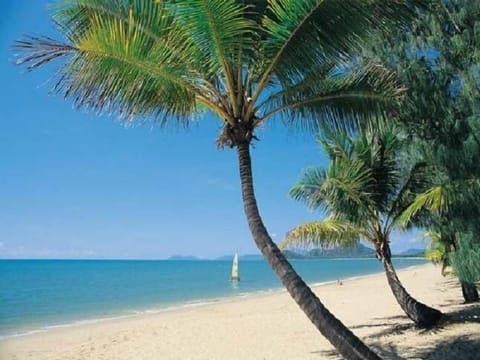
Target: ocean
38	294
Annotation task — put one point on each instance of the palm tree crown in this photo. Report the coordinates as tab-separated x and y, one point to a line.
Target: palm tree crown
242	60
365	188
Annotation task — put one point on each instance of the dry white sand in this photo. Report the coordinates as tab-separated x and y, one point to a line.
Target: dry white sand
272	327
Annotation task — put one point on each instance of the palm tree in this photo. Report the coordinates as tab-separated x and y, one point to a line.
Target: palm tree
364	190
449	210
443	249
444	125
246	61
436	250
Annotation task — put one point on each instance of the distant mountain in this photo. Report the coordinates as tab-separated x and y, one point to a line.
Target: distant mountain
358	250
183	257
246	257
412	252
249	257
289	254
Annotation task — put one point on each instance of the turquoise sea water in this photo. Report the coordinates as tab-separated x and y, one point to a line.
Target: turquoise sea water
36	294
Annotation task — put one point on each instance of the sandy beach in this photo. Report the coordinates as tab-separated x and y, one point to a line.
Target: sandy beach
270	326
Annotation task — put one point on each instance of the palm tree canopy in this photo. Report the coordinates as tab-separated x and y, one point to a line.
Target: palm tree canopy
366	187
247	60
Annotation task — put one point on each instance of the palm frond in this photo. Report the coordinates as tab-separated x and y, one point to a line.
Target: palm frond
347	185
308	188
336	143
436	255
302	34
442	199
327	233
432	236
117	66
414	183
39	50
341	98
340	189
436	250
73	17
434	199
385	169
221	31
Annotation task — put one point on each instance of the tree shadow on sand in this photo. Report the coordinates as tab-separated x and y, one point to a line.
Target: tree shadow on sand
468	313
459	348
391	326
453	348
385	351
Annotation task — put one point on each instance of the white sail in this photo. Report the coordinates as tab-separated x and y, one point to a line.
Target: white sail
235	276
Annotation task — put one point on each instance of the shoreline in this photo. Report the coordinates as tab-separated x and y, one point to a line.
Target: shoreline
185	305
270	326
178	305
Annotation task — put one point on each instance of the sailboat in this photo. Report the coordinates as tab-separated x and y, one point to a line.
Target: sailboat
234	276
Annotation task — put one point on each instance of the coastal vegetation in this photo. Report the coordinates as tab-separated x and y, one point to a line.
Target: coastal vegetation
438	60
364	191
247	62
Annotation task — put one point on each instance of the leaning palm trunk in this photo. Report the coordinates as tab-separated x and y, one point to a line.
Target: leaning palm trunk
469	291
347	344
421	314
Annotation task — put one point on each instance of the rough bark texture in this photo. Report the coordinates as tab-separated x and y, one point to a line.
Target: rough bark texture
421	314
347	344
469	291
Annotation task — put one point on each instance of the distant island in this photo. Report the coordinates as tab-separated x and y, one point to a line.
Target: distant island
412	253
357	251
246	257
183	257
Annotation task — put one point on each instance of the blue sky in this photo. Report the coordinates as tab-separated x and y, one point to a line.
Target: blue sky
74	185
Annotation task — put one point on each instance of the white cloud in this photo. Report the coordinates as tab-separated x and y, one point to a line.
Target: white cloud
1	244
48	253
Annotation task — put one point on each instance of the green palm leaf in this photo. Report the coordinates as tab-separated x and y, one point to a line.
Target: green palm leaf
221	31
440	199
116	66
434	199
338	97
415	183
302	34
436	250
327	233
341	189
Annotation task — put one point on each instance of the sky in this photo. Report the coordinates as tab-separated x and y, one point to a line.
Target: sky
75	185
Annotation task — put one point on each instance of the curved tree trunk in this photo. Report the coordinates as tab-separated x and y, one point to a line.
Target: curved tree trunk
469	291
347	344
421	314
